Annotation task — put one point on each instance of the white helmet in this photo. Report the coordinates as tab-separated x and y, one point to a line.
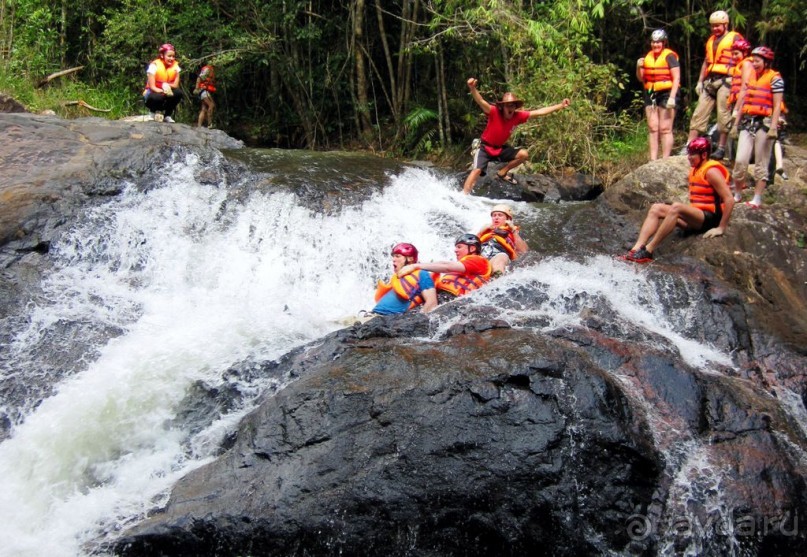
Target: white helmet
659	35
502	208
719	17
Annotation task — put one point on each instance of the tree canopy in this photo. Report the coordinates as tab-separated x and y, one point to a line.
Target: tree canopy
390	75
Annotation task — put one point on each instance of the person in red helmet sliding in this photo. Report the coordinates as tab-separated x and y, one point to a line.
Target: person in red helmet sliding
758	109
405	291
162	93
469	272
708	211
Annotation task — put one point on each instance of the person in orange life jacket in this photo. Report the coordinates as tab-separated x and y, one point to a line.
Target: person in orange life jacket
502	118
405	291
660	73
741	70
205	87
759	106
501	241
714	83
708	211
467	273
162	93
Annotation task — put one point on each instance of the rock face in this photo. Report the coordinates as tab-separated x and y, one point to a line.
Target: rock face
54	168
384	446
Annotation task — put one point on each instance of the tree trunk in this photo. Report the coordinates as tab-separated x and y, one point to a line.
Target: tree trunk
63	35
363	107
445	121
394	95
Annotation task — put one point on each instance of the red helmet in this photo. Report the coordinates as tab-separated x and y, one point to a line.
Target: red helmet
700	145
407	250
741	44
764	52
166	47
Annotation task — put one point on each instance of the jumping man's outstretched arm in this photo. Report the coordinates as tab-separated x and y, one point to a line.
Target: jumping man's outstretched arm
550	109
483	104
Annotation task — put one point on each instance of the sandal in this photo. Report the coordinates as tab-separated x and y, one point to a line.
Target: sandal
507	178
752	205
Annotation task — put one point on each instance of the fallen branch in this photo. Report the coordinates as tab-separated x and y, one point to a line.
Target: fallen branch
53	76
85	105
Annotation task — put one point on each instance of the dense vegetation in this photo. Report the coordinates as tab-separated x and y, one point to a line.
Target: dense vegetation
383	74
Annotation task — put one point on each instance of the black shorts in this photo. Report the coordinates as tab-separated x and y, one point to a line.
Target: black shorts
659	98
482	157
710	220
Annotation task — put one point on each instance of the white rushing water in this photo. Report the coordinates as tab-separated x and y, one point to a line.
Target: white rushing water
197	285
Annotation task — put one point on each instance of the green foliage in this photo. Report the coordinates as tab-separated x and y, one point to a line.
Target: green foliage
420	130
118	101
287	72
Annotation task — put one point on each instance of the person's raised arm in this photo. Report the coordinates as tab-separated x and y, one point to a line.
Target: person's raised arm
483	104
550	109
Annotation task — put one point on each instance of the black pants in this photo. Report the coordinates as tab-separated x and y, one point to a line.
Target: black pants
159	102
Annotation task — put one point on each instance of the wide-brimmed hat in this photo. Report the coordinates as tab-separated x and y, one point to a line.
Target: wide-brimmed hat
510	98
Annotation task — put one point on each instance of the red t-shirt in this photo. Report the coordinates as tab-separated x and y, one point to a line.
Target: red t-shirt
475	265
498	130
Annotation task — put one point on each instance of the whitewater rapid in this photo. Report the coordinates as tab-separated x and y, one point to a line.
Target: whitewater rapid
197	283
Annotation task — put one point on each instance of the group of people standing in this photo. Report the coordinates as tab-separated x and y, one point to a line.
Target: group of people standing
740	83
163	93
479	258
735	80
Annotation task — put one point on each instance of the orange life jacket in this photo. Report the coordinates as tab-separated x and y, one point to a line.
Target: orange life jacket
508	242
163	75
720	61
459	284
657	72
758	96
406	287
701	193
209	82
737	79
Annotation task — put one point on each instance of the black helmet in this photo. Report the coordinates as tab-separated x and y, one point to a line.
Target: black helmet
470	240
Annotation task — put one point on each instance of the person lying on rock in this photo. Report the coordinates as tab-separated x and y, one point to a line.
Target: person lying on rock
405	291
502	118
501	241
708	211
467	273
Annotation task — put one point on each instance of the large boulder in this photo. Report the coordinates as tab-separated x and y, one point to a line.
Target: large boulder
493	442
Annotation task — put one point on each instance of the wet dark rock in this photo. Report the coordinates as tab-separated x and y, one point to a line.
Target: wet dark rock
537	188
9	104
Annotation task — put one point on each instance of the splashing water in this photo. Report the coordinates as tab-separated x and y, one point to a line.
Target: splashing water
196	284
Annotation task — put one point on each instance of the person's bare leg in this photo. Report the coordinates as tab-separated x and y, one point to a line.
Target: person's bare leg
471	180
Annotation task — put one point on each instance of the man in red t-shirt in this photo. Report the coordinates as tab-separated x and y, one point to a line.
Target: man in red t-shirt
468	272
502	118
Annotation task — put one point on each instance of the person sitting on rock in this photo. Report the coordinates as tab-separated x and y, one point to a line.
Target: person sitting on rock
162	93
708	211
502	118
405	291
467	273
501	241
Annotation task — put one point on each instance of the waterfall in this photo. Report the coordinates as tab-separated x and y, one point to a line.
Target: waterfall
194	282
